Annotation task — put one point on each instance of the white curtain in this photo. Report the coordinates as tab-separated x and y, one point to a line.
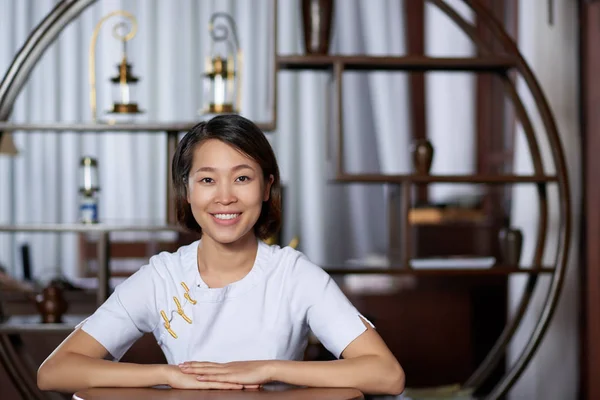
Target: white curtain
552	53
450	103
334	222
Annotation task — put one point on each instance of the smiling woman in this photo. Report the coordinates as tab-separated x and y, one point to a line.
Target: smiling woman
229	311
213	153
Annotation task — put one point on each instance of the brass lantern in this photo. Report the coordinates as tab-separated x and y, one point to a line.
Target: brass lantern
124	82
222	77
124	89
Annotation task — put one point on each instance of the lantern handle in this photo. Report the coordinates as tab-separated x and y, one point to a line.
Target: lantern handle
92	51
220	33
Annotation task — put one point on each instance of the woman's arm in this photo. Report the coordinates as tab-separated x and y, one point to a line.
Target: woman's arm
367	365
79	363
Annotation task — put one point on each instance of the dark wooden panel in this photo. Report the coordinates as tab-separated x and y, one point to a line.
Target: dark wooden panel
440	329
129	249
590	129
482	179
495	63
418	326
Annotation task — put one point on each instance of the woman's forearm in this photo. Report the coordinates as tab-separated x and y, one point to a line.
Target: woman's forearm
369	374
71	372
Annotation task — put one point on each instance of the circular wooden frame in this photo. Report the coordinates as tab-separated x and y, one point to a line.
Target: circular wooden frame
65	11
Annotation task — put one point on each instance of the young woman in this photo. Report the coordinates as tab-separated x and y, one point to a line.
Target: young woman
229	311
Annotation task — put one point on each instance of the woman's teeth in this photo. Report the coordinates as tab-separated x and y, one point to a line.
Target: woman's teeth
226	216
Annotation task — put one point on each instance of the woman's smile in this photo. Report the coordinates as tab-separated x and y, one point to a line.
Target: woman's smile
226	219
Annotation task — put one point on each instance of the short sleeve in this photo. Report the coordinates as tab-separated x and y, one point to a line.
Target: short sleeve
330	315
127	314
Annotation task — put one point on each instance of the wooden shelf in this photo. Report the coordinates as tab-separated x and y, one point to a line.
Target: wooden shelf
398	63
448	216
414	178
106	127
494	271
33	324
120	226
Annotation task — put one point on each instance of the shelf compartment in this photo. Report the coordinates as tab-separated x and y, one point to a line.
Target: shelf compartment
107	127
397	63
32	324
415	178
126	226
496	270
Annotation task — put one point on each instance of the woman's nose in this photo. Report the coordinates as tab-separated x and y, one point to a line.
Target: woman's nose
225	194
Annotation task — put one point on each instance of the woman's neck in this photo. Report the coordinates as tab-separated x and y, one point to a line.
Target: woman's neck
226	263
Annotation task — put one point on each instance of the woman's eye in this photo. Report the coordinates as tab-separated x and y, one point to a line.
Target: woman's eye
206	180
243	179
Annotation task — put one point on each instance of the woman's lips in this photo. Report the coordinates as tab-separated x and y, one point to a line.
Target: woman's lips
226	219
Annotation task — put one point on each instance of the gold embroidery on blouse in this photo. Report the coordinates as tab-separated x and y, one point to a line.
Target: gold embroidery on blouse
167	324
180	311
187	294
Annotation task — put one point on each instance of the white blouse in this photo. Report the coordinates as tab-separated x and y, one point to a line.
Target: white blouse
265	315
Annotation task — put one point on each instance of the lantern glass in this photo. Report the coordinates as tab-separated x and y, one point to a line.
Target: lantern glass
124	90
88	172
222	76
124	93
220	87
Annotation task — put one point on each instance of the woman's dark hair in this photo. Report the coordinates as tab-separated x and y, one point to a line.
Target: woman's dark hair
246	137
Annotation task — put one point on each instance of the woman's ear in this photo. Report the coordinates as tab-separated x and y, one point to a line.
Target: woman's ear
188	190
268	185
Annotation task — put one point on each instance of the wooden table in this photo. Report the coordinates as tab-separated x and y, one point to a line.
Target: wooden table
171	394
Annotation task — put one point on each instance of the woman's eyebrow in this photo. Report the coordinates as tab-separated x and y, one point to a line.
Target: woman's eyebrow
236	168
242	166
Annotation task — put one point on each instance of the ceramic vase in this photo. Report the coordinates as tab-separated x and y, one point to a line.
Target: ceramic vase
422	156
317	17
511	244
51	305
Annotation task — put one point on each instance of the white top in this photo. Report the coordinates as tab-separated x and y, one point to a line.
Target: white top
265	315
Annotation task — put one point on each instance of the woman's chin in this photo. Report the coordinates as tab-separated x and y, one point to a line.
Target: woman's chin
227	237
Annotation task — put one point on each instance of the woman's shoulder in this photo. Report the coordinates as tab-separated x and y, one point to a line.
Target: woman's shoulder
173	264
289	261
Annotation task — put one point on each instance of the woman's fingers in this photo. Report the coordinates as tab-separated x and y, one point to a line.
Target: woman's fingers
219	385
216	378
198	364
251	387
201	370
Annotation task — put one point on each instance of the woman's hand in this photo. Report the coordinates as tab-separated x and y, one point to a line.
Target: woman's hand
251	374
177	379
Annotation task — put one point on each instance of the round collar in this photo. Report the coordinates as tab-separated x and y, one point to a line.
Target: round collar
205	294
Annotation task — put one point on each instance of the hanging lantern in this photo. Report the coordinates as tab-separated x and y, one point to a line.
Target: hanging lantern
124	89
222	77
124	82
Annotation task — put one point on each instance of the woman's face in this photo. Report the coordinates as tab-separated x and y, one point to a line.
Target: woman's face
226	191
